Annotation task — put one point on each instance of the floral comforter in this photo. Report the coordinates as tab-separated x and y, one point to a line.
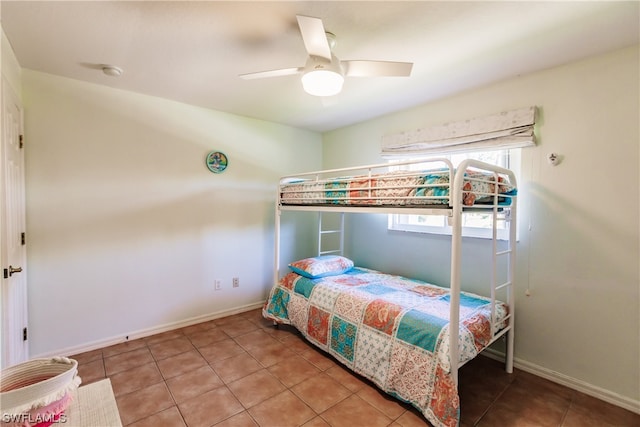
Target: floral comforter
396	189
392	330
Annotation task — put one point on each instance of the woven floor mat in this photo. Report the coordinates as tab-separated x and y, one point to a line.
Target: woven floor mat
93	405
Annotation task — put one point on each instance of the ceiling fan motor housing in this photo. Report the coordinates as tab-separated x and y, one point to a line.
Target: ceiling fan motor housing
320	63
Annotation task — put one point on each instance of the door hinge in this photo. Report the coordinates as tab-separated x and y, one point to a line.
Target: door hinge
6	273
24	334
21	141
23	238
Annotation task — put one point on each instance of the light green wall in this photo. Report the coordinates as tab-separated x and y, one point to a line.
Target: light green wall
578	222
9	64
128	228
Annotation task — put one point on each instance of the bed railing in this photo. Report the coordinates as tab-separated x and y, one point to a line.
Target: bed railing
374	181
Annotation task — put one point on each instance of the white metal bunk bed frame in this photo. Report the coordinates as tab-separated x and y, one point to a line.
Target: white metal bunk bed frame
454	210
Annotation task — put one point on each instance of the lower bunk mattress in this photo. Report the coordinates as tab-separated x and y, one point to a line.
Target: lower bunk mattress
390	329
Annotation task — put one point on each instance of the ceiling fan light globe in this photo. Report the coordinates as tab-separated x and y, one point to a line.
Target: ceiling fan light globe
322	82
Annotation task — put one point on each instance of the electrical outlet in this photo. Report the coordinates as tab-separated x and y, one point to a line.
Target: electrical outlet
236	282
217	284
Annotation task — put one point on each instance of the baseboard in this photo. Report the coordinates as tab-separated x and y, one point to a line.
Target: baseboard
567	381
94	345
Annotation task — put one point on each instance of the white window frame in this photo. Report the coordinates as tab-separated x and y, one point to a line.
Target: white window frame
407	223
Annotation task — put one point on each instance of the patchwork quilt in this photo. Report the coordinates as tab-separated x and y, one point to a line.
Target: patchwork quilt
392	330
396	189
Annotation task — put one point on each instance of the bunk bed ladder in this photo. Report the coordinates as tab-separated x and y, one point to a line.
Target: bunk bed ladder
509	252
324	234
509	216
511	268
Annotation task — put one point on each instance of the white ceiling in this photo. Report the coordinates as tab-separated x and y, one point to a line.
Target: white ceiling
194	51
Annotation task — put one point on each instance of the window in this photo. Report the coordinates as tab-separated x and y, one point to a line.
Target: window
473	224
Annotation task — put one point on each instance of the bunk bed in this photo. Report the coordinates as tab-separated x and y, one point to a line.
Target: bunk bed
407	336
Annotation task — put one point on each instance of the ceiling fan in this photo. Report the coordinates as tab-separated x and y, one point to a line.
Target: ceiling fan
323	74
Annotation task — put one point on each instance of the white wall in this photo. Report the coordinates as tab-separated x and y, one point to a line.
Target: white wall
580	257
127	228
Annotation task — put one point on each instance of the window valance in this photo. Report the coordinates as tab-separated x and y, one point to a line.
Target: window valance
509	129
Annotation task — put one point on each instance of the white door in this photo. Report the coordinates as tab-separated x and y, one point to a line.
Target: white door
13	301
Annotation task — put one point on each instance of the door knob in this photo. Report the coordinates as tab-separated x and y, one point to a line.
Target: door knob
13	270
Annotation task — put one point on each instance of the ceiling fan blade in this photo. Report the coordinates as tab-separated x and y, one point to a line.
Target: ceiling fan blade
376	68
272	73
314	37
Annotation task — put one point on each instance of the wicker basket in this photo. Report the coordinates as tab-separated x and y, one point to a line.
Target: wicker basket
37	392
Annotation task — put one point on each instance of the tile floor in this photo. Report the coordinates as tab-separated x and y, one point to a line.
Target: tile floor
241	371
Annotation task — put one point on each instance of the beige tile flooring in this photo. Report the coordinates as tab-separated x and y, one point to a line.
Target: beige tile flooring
242	371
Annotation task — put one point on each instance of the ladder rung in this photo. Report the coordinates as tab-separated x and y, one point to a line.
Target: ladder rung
330	231
504	285
330	252
508	251
504	319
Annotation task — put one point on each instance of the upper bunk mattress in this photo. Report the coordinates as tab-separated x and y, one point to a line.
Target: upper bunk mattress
399	188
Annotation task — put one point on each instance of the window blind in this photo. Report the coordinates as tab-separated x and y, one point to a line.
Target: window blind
509	129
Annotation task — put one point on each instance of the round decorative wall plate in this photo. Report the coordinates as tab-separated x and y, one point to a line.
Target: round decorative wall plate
217	162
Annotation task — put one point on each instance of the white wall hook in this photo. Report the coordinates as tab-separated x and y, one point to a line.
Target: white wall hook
553	159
